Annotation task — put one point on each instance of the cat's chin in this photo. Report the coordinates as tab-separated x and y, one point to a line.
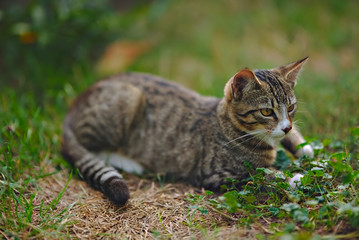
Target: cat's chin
274	140
278	135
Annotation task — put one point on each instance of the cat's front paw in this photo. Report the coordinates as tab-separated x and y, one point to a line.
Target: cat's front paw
306	150
294	182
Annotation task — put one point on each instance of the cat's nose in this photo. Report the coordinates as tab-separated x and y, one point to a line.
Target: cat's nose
286	129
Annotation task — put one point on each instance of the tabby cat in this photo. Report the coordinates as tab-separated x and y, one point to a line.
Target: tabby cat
137	121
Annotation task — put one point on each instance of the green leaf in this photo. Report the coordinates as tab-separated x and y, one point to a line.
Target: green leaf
282	161
339	156
207	192
307	178
317	145
297	213
301	215
348	208
231	199
320	199
289	207
301	145
355	131
312	202
279	175
316	169
248	165
289	228
264	170
326	142
274	210
244	192
203	210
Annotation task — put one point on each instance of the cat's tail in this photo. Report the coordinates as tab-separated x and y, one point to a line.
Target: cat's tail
94	170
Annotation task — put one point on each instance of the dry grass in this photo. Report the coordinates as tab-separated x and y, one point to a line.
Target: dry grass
152	212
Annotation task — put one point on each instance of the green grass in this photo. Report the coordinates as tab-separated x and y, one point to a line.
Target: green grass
29	142
200	44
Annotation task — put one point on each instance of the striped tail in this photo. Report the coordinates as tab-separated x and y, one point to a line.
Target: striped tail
94	170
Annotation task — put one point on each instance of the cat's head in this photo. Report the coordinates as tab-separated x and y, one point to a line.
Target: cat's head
262	102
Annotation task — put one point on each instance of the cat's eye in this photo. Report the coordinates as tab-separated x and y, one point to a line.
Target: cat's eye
291	108
266	111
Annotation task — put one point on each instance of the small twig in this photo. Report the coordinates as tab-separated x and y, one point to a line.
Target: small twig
2	233
268	222
83	189
352	235
221	213
264	229
139	185
34	227
337	227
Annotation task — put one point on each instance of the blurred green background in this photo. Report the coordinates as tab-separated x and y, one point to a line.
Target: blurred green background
52	50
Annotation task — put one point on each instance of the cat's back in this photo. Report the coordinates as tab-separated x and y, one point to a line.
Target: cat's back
158	95
136	93
158	89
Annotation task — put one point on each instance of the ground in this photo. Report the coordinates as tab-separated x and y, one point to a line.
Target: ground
152	211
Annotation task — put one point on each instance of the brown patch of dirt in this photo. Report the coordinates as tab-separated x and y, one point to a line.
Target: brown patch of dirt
152	212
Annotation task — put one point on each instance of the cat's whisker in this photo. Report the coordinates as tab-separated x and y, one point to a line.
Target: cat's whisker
236	144
297	122
239	143
296	133
260	135
301	102
253	134
248	134
264	138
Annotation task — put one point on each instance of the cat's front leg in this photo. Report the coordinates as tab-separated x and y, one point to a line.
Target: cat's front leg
292	140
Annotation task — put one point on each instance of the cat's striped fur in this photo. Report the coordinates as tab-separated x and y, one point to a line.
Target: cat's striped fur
163	127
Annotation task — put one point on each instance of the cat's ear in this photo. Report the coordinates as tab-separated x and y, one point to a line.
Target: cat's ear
243	81
291	71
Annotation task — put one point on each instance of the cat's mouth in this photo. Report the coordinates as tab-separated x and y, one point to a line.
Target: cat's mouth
280	131
274	137
277	135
